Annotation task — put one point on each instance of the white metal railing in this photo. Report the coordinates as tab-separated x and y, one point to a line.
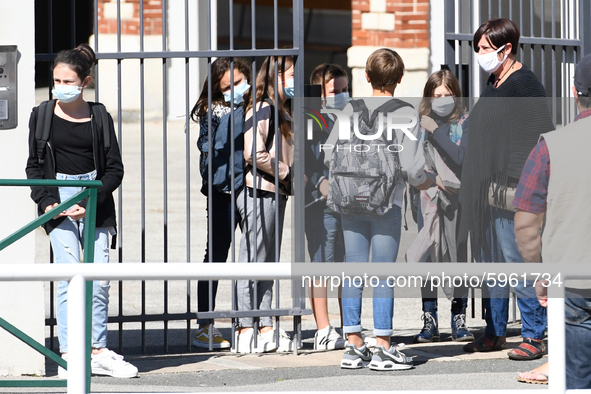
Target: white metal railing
80	273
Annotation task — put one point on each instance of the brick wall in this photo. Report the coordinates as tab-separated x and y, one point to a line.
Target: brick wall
130	17
391	23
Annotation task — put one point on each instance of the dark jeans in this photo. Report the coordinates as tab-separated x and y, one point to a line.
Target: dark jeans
221	231
578	338
500	247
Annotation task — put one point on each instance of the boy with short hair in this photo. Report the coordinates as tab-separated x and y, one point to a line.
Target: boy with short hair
323	230
379	230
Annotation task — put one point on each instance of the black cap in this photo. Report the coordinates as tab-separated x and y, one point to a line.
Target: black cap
583	77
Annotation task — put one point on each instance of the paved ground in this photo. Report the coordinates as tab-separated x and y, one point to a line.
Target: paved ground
439	366
442	366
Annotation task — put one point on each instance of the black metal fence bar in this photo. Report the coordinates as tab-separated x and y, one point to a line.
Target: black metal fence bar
298	300
165	166
245	53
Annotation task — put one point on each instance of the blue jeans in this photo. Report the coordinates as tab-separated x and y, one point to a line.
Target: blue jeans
500	247
324	234
221	231
578	338
382	235
67	241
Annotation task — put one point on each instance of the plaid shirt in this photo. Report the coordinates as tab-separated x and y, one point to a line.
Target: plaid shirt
533	185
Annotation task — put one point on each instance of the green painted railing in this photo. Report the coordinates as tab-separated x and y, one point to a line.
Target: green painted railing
89	230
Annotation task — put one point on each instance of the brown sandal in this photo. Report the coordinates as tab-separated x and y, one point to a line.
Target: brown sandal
532	377
529	349
486	344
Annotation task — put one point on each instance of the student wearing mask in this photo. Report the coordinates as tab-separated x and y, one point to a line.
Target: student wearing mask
324	231
221	198
259	233
444	127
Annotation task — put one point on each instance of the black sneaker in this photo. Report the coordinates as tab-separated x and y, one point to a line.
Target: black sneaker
459	332
355	358
429	333
389	360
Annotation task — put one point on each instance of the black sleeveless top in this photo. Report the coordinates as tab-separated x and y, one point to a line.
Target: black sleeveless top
72	146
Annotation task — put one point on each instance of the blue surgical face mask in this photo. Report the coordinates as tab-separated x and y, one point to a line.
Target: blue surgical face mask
338	101
66	93
289	91
239	92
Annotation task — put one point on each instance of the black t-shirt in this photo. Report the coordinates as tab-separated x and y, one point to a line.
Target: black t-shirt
72	146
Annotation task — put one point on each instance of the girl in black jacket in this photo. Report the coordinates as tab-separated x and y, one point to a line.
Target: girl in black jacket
77	149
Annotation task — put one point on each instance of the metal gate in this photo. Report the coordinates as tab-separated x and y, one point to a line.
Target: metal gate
555	34
165	227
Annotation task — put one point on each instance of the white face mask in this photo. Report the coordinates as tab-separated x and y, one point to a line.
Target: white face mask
443	106
338	101
66	93
490	61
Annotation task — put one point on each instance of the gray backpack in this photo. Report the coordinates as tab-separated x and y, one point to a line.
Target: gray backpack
362	180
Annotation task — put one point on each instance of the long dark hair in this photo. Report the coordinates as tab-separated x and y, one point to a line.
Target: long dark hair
218	69
265	88
80	59
447	79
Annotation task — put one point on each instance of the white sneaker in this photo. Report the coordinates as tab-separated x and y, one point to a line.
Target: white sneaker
328	339
112	364
266	342
285	341
243	342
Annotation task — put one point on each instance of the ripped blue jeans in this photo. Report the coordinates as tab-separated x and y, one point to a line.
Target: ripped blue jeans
67	241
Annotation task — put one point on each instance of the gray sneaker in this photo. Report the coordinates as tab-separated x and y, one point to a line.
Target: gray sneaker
389	360
355	358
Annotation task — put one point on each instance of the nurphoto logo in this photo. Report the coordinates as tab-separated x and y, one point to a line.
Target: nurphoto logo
385	123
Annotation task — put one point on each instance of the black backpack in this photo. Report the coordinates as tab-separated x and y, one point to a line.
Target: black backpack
43	126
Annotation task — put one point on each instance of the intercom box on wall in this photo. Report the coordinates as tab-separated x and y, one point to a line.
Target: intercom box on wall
8	87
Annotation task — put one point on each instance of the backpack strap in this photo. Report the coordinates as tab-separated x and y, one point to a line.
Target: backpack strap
390	106
43	128
359	106
271	134
101	117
